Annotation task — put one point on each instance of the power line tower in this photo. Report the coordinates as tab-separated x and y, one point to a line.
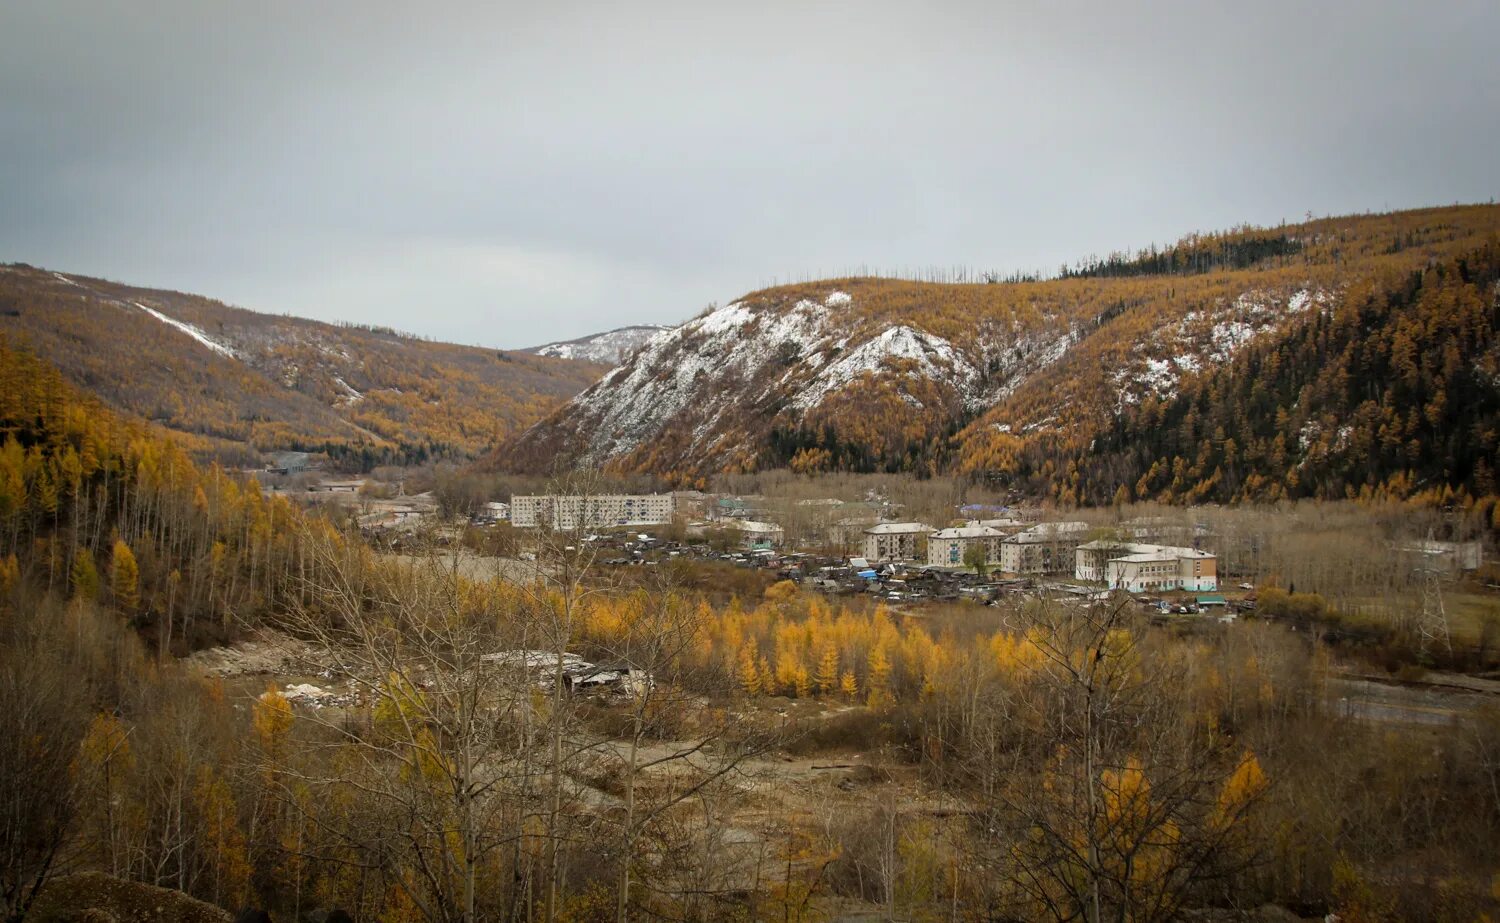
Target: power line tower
1432	624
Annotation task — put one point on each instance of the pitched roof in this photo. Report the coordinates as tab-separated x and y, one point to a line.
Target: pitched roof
897	528
968	532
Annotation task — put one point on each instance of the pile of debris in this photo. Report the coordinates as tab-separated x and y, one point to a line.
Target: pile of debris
578	675
316	696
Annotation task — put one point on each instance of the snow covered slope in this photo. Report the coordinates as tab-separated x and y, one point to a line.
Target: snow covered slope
783	377
186	328
875	374
610	348
705	395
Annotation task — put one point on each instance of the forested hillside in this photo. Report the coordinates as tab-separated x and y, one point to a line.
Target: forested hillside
989	379
243	382
100	507
1393	391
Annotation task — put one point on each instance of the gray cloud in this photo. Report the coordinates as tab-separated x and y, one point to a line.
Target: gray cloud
508	174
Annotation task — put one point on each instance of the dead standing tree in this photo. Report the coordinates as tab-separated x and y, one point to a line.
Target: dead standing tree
1128	809
43	714
562	582
659	630
439	758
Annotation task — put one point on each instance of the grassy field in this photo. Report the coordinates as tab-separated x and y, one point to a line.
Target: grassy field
1473	617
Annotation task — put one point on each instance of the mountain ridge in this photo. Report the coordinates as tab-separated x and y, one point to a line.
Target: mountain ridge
243	381
868	374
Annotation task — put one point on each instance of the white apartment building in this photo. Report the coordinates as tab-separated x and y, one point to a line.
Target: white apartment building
1141	568
946	547
1045	548
895	541
590	512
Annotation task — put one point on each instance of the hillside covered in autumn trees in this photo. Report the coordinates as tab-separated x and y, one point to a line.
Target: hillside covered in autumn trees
1392	392
1015	381
239	382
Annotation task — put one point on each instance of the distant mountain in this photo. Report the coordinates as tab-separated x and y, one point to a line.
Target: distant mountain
610	348
1010	381
233	378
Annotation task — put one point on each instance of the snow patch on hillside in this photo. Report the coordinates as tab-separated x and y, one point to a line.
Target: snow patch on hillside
672	370
1214	336
351	396
1009	360
191	331
1228	336
612	346
933	358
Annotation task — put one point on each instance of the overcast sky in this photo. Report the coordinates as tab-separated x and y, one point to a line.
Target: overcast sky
512	173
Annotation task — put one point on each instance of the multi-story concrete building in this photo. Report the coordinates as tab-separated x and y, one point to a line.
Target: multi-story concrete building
493	511
1090	558
590	512
1045	548
846	535
1141	568
756	536
946	547
896	541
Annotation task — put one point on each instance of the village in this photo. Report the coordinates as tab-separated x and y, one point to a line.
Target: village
977	569
981	552
915	556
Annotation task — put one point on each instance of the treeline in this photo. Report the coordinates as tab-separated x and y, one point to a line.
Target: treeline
1199	253
364	457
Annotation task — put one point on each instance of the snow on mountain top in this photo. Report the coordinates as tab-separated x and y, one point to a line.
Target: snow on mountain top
706	393
612	346
729	317
705	373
